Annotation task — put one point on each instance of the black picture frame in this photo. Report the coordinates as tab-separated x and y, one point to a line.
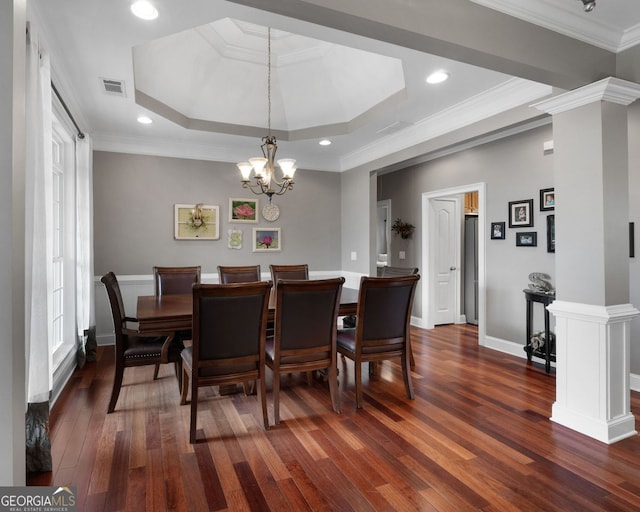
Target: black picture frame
547	199
521	213
527	239
551	233
497	230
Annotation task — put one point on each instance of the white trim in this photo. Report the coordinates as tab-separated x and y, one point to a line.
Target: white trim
62	374
510	94
610	89
593	313
572	22
427	314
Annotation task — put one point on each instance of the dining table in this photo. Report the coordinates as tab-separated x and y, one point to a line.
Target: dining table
172	313
169	314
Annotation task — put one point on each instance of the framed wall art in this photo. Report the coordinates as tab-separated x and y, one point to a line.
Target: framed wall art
196	222
267	240
497	230
551	233
547	199
243	210
521	213
527	239
234	238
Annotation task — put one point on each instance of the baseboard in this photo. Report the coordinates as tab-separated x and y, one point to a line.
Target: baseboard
511	348
634	382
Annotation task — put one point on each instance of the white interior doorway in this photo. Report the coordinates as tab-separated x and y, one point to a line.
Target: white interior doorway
436	253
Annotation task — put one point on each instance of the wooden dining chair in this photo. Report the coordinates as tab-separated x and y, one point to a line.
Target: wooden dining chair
382	329
132	349
398	271
390	272
279	272
305	333
174	281
239	274
229	331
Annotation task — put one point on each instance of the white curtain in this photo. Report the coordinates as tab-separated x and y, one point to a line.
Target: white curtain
85	315
38	253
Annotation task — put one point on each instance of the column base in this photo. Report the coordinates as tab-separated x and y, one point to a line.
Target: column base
606	431
593	394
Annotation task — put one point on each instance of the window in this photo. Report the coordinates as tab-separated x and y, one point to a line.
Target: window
63	312
57	292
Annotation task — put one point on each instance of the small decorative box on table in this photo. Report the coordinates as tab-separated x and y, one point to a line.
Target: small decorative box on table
547	349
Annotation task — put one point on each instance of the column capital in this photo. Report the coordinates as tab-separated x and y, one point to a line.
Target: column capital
609	89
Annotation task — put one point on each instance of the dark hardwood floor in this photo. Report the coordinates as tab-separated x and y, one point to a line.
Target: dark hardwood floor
477	437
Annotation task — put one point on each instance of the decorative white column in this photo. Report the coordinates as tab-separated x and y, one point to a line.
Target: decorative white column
592	309
592	369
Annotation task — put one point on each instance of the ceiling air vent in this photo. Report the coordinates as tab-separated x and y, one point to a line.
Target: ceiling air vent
113	87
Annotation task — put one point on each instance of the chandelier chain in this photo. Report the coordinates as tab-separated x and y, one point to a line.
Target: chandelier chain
264	167
269	80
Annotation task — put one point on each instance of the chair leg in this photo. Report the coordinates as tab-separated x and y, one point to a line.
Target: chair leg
333	389
115	391
249	387
184	385
178	370
406	375
263	401
155	371
309	378
358	378
194	413
276	397
412	361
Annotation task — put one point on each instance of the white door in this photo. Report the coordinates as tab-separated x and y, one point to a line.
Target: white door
444	254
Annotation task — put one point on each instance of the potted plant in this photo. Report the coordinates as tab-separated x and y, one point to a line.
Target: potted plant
404	229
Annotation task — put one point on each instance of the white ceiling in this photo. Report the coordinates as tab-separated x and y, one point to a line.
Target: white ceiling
200	73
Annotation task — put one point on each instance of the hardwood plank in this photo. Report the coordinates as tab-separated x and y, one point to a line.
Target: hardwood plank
477	437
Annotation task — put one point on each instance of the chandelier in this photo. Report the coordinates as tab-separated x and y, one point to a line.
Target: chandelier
264	179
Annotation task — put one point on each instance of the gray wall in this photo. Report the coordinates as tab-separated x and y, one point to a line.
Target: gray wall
357	203
12	249
634	216
134	199
513	169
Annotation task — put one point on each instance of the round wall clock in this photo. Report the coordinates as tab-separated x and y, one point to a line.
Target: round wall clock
271	212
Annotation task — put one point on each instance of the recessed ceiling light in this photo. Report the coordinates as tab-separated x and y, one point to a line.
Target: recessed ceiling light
143	9
437	76
324	142
144	120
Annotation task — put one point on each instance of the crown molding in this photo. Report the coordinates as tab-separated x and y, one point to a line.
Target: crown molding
630	37
510	94
570	22
613	90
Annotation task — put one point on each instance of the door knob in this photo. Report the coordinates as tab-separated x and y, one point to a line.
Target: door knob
452	268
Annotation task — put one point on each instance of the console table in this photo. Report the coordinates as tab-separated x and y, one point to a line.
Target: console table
548	350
